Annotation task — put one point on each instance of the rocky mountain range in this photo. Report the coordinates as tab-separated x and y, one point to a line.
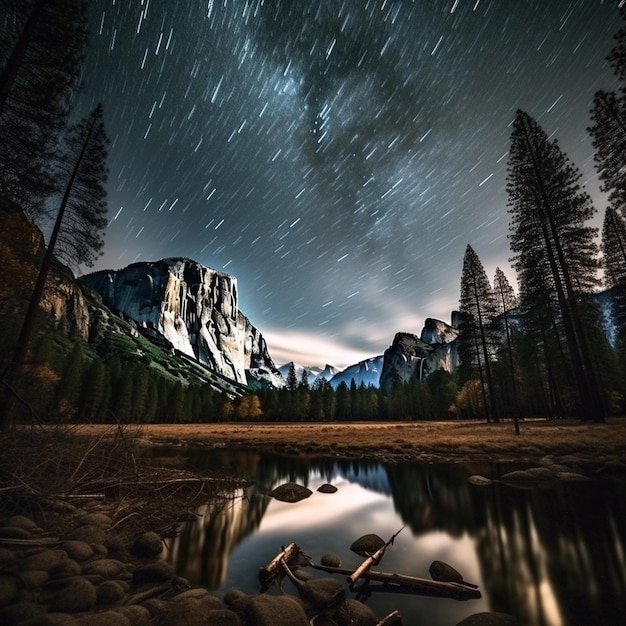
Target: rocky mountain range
195	310
190	314
408	357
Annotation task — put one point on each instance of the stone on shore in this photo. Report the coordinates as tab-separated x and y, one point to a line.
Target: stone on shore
147	545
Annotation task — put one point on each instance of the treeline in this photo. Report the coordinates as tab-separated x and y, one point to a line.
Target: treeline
546	350
433	398
76	384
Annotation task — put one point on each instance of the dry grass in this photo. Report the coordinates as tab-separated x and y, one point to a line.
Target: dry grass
43	467
425	441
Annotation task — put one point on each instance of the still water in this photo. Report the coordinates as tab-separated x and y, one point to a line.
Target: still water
549	556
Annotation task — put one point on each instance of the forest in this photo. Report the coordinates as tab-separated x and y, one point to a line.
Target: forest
539	350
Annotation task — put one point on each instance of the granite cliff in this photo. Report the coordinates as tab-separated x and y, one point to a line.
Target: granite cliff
195	309
410	357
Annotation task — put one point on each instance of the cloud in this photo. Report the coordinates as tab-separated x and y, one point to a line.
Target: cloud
310	349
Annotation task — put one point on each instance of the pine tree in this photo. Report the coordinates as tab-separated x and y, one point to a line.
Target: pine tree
82	215
477	309
41	49
614	262
292	378
554	252
614	247
79	220
506	301
608	132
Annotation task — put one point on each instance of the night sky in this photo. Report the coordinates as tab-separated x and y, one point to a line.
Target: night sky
336	156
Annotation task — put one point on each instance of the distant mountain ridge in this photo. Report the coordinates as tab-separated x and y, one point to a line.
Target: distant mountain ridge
407	358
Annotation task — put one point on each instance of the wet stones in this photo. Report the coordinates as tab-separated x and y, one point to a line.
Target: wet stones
290	492
327	488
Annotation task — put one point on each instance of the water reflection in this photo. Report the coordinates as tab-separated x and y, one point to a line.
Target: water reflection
548	556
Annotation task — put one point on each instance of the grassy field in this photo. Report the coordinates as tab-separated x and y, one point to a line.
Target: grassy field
420	441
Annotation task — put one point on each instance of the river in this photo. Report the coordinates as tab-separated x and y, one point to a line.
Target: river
551	555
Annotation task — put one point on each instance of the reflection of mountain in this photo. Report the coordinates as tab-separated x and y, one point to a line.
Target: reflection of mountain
203	548
548	556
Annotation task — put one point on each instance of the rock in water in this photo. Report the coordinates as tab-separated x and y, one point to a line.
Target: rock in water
290	492
326	488
481	481
367	544
441	571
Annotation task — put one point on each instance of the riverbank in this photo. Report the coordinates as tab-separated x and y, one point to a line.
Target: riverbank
426	442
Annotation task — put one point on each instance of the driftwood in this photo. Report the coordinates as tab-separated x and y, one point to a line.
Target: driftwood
371	560
400	583
273	569
389	582
393	619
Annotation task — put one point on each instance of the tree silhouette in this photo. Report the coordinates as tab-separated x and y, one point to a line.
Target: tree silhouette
505	301
41	50
614	247
477	309
614	262
608	134
554	252
292	378
79	221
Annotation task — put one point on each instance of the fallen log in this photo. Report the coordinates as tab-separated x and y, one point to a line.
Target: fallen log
409	584
371	560
273	569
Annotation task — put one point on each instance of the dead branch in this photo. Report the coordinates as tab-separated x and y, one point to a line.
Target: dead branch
410	584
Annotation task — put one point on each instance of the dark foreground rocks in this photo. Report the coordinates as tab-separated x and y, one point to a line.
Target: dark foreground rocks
68	565
89	575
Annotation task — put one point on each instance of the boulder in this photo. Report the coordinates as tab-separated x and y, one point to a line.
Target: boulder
76	596
160	571
290	492
265	610
147	545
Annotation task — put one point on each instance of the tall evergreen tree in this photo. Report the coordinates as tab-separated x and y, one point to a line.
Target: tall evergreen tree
505	301
608	132
477	309
614	247
82	215
292	378
614	262
554	251
41	49
79	222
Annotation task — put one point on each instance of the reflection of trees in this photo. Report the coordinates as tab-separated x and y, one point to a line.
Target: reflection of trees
548	556
554	556
430	497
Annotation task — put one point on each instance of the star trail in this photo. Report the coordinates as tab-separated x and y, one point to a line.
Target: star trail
336	156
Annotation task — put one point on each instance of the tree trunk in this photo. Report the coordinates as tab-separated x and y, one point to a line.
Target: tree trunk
14	372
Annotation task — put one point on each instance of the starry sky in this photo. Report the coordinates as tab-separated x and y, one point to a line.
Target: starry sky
336	156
